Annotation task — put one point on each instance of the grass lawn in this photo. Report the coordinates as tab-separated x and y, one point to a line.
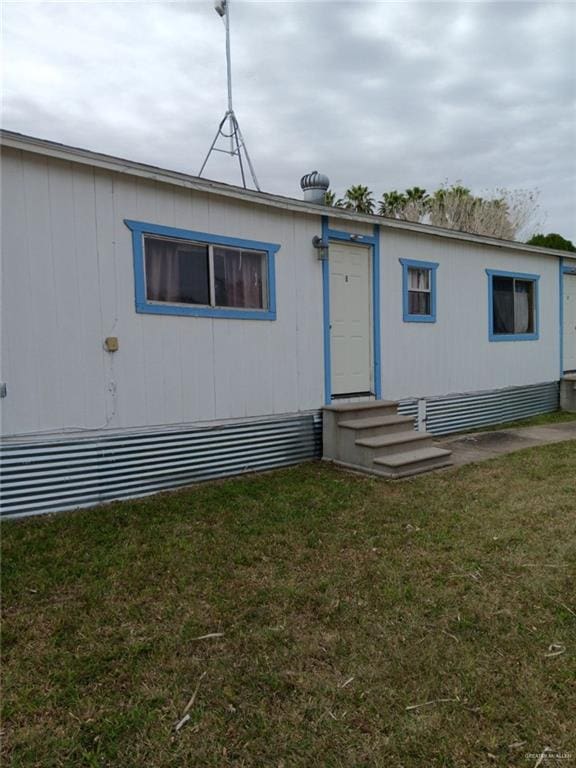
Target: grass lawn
342	602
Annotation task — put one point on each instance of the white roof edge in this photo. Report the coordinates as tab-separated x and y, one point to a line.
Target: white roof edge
54	149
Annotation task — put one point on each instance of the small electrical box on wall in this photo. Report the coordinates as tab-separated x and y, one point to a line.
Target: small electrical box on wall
111	344
3	389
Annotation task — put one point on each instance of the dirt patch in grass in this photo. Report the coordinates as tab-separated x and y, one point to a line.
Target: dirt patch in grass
338	603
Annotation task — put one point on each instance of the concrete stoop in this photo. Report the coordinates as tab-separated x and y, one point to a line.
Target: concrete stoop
372	437
568	393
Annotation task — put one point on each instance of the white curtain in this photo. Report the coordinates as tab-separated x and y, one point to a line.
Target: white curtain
503	300
522	307
177	272
239	278
419	291
162	271
419	279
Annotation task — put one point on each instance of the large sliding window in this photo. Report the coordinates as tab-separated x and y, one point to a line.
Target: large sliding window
192	273
512	306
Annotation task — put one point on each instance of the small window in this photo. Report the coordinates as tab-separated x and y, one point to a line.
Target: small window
419	291
512	310
191	273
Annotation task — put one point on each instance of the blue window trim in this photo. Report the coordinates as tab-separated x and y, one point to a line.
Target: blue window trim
407	316
373	241
512	336
141	228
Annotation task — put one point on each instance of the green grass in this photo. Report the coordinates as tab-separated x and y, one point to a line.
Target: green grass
448	586
554	417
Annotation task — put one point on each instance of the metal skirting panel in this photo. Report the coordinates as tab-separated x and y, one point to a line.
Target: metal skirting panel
64	474
457	413
408	408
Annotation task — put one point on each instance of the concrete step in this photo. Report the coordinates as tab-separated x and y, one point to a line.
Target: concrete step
342	411
384	445
384	422
372	437
341	440
336	440
568	393
413	462
375	426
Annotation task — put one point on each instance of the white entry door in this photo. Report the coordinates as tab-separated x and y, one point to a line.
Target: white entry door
569	314
350	312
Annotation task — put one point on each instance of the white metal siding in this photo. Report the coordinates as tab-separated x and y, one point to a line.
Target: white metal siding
68	283
454	354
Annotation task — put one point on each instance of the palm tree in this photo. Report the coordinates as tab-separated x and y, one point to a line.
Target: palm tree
330	199
452	207
417	204
359	198
391	204
416	195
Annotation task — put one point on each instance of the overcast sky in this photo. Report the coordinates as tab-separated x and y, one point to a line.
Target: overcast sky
388	94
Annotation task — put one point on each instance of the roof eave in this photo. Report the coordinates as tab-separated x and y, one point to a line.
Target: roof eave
120	165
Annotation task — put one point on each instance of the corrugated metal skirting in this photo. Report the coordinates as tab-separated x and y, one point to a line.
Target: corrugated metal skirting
458	413
55	475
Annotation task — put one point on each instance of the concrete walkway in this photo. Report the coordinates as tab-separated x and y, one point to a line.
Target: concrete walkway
479	446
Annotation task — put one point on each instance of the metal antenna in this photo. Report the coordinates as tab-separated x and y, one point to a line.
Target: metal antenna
237	143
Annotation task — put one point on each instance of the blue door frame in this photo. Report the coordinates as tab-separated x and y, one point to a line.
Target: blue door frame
373	241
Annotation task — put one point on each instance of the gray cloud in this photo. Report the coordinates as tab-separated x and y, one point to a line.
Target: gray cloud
387	94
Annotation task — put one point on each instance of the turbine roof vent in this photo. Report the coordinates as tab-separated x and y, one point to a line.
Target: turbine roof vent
315	185
315	180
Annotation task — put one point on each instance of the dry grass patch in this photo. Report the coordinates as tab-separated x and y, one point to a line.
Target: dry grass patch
338	603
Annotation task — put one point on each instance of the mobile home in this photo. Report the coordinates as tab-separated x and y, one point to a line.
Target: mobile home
159	328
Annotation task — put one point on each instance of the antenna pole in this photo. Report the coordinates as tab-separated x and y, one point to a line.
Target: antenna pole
229	74
237	144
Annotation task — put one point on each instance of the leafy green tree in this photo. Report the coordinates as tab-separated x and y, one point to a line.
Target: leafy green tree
552	240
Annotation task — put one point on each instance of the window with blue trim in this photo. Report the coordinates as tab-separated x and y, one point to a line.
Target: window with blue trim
419	291
513	305
193	273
